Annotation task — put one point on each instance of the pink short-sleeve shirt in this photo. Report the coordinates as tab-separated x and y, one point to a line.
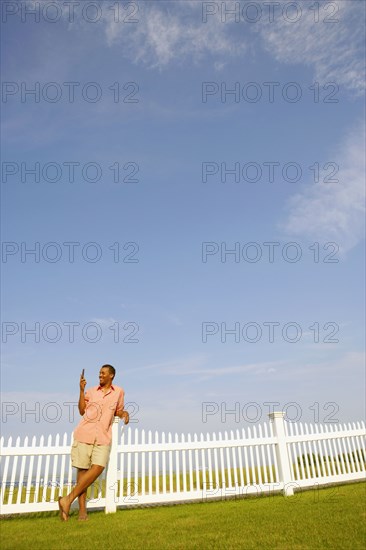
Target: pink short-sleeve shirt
101	407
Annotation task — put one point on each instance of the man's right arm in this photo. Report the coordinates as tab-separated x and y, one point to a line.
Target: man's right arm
82	402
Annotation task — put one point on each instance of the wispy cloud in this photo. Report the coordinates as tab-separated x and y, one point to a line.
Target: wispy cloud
335	51
199	366
180	365
105	322
256	369
334	211
346	365
167	33
163	35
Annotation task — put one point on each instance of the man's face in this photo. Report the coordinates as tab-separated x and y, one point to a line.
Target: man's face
105	376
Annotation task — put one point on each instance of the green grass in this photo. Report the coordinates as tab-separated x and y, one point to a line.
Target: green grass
332	518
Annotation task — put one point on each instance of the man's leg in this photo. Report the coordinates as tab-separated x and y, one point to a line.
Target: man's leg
82	498
86	479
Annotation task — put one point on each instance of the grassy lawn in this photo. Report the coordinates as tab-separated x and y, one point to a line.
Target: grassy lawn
331	518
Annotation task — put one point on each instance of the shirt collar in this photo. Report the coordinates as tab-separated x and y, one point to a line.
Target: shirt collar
111	388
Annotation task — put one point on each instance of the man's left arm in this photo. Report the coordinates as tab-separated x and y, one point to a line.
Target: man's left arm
120	412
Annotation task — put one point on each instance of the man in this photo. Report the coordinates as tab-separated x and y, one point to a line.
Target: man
92	437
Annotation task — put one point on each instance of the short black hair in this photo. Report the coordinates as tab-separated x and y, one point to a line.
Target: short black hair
111	369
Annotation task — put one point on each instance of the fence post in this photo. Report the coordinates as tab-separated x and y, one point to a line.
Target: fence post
111	485
283	461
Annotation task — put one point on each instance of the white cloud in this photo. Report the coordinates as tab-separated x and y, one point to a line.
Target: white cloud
335	51
181	365
209	372
198	366
105	322
171	32
163	35
168	32
334	211
346	365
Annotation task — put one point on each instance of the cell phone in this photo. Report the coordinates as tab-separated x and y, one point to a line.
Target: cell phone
82	373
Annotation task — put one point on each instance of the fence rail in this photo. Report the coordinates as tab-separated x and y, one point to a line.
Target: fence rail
147	468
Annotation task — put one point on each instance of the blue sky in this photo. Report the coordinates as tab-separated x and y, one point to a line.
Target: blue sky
168	294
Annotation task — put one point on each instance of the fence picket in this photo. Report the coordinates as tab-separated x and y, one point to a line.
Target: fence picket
268	453
319	465
222	464
246	462
332	454
136	465
30	473
339	450
195	439
263	460
240	459
5	472
309	453
190	464
163	463
294	462
143	458
217	474
122	491
233	452
13	473
257	460
274	454
177	467
350	439
184	467
344	451
209	459
203	464
45	479
253	480
171	485
22	472
353	449
54	470
129	483
228	461
302	470
150	464
157	472
38	474
323	446
336	456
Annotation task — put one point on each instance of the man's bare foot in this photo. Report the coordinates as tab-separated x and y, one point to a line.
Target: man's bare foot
83	517
64	511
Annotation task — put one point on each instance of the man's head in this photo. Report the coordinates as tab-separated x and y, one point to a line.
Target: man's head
106	375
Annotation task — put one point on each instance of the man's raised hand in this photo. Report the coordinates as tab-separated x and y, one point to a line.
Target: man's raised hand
82	381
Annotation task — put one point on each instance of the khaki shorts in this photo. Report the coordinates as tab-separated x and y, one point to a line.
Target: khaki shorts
83	455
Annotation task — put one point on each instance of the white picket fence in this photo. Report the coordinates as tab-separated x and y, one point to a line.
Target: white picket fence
149	469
